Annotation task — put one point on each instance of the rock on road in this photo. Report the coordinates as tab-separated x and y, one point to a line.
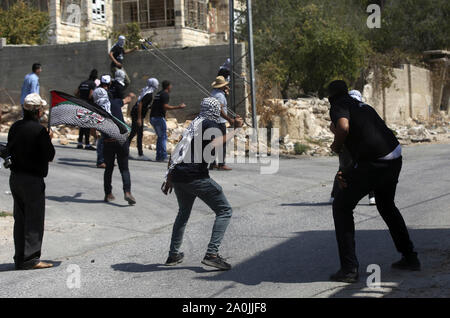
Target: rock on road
280	241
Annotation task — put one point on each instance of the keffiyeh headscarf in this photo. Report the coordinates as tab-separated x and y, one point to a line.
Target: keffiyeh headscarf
209	109
101	98
356	95
152	86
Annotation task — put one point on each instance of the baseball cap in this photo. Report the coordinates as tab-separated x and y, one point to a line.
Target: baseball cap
105	79
33	102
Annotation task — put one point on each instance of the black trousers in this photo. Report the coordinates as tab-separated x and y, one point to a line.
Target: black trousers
111	151
84	132
29	212
221	157
137	130
382	177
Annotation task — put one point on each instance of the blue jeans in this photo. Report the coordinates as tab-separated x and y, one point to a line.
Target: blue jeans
209	192
159	124
100	156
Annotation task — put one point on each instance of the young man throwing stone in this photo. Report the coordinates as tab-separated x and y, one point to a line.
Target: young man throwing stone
188	174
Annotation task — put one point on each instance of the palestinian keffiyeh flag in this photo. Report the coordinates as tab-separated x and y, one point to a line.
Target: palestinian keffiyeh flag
73	111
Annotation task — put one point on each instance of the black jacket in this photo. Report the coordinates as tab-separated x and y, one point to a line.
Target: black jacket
30	148
369	138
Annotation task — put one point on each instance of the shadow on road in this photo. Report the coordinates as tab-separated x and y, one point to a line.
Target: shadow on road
78	162
312	256
307	204
143	268
76	198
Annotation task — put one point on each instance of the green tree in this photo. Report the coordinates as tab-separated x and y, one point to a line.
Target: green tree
300	49
22	24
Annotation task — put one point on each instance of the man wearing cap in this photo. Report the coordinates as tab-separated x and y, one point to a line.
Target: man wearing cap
377	161
116	54
220	92
31	149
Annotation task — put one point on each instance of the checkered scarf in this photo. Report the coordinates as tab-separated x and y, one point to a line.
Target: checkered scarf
209	109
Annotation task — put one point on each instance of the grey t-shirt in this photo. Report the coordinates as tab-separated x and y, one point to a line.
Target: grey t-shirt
220	96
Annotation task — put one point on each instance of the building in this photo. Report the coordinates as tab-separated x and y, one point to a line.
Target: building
169	23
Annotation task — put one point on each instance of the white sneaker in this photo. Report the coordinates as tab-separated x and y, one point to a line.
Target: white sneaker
372	201
143	157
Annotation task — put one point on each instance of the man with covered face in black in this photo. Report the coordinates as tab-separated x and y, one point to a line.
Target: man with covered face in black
377	161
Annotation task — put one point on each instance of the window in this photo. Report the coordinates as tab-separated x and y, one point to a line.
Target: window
71	11
148	13
98	11
195	14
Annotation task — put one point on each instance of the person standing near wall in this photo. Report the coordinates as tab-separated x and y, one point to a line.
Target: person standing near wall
85	91
116	54
139	112
31	82
377	158
31	149
220	92
158	119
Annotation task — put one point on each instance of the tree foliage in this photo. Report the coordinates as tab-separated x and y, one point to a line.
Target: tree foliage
301	45
300	49
22	24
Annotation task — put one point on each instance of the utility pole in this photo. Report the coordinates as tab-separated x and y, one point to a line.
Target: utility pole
251	59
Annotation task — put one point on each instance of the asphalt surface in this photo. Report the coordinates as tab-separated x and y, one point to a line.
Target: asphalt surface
280	241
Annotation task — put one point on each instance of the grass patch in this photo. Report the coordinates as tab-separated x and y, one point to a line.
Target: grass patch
5	214
300	148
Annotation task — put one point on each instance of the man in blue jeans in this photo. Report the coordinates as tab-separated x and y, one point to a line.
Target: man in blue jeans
158	119
188	174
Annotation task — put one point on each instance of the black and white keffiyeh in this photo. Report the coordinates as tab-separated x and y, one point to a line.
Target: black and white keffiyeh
152	86
209	109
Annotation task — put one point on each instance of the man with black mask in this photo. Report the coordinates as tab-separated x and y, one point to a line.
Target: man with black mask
377	161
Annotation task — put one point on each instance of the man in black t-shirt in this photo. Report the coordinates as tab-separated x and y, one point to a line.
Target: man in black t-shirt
158	119
139	112
189	175
31	150
116	54
85	91
377	161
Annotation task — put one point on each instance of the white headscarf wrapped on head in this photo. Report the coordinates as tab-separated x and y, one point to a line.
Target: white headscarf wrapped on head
209	109
152	86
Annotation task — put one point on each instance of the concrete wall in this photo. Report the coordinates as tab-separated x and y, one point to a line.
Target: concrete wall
65	66
410	95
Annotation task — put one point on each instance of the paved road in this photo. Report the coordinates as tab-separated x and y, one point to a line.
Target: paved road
280	241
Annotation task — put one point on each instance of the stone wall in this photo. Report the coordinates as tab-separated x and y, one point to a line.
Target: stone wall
177	37
65	66
409	97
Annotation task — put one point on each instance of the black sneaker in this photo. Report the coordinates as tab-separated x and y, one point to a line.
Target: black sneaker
79	146
409	263
215	260
89	147
342	276
173	260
